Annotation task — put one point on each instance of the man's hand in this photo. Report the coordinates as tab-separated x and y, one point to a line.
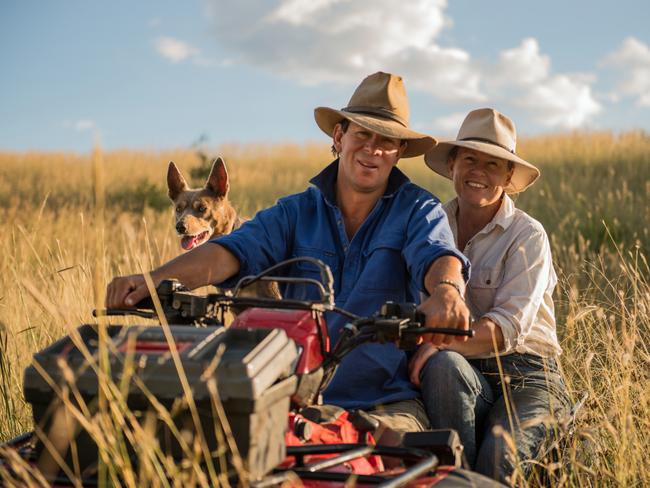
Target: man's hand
419	359
126	291
445	306
203	265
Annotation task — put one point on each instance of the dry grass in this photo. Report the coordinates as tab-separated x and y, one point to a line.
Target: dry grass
592	199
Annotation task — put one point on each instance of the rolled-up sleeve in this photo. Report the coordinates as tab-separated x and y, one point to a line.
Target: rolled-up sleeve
528	270
428	238
259	243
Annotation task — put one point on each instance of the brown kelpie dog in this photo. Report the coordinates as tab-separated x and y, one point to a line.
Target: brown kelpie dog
205	213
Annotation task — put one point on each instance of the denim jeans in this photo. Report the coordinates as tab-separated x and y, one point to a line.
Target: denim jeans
471	397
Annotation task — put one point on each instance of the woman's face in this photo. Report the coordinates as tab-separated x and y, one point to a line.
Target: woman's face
479	178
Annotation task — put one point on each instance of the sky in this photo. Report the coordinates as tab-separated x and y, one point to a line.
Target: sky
161	74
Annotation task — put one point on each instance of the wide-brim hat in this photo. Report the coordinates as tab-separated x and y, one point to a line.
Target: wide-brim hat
379	104
490	132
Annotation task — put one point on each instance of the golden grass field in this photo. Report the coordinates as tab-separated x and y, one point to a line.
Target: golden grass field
57	252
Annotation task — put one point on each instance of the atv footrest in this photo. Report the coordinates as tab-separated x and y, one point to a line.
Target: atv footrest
444	443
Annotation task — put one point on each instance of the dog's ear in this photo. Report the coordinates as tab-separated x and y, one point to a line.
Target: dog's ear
175	181
218	179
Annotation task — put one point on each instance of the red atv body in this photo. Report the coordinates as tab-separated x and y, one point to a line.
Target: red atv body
322	450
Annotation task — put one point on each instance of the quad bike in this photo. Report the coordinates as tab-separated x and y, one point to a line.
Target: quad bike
257	381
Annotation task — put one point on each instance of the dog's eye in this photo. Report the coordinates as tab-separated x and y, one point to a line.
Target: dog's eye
202	208
179	209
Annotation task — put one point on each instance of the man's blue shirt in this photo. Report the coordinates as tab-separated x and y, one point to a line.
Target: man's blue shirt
385	260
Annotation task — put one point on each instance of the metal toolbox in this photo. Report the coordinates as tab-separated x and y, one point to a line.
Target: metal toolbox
251	369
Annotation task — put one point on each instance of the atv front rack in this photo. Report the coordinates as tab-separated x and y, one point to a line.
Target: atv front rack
417	463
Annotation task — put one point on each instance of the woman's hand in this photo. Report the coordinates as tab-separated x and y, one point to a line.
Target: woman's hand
419	359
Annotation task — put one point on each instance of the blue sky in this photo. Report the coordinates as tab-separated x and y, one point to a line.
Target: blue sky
156	75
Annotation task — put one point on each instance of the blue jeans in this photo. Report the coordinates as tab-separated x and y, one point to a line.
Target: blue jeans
468	396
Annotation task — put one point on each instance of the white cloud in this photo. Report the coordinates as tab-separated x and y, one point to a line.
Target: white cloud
341	41
522	78
84	125
81	125
523	64
449	124
561	101
316	41
447	74
632	60
175	50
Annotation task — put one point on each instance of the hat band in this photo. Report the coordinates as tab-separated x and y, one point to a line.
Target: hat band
488	141
374	111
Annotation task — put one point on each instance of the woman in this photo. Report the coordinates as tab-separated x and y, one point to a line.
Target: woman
504	383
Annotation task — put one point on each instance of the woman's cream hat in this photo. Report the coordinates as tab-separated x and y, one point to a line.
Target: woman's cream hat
379	105
490	132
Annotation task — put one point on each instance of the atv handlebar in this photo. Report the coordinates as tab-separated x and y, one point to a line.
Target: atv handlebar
401	324
325	286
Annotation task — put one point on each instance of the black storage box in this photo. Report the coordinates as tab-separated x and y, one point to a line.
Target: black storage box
253	378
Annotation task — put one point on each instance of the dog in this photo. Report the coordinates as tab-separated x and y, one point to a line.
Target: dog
205	213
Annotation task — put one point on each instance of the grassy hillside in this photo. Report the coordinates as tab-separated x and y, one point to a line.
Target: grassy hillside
57	252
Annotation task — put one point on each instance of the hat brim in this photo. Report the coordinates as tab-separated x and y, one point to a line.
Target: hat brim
523	176
417	144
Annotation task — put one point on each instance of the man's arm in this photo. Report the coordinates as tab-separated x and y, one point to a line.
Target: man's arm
204	265
445	306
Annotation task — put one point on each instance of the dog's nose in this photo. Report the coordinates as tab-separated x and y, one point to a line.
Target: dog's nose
180	227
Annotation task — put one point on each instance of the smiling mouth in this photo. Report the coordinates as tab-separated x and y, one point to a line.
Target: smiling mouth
475	184
366	165
190	242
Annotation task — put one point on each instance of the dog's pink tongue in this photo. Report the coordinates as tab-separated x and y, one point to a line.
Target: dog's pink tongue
188	242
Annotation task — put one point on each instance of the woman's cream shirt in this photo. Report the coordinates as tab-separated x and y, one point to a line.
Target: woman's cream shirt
512	279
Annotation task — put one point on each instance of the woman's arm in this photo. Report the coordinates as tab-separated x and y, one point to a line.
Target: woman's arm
523	295
528	275
486	334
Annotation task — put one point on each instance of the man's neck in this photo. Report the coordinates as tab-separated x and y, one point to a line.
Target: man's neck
355	206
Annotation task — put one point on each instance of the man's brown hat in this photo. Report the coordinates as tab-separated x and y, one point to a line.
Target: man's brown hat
490	132
380	105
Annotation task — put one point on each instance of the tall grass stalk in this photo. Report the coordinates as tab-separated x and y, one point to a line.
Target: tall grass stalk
57	252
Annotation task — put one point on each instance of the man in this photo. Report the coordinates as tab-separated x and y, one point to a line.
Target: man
383	237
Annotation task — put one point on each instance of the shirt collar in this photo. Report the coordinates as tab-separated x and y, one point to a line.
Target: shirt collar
505	214
325	181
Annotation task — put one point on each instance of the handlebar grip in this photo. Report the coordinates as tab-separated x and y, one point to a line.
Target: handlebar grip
145	304
442	330
111	312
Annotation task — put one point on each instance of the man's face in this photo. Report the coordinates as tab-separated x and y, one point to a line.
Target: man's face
365	158
479	178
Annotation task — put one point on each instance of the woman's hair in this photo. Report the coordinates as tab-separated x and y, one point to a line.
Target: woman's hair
453	153
345	123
